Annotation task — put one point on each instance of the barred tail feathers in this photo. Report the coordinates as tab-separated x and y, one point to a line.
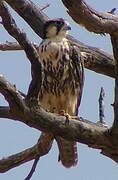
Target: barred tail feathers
67	152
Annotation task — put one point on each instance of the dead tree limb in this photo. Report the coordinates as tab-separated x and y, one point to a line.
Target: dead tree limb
101	106
31	13
40	149
95	59
114	130
83	131
101	23
10	46
91	19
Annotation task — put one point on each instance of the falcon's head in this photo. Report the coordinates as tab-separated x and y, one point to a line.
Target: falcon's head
56	27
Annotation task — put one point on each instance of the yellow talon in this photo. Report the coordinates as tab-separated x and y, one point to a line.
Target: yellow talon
63	113
67	115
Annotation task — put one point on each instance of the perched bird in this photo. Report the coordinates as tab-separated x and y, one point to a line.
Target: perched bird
61	90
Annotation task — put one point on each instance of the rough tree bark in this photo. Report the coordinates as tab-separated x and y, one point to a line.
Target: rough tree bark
29	111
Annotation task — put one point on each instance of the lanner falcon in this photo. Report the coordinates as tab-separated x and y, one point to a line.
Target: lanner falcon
63	80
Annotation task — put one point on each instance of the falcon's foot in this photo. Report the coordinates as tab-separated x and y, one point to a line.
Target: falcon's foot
68	116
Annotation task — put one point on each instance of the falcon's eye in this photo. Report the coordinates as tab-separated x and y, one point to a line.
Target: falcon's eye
59	25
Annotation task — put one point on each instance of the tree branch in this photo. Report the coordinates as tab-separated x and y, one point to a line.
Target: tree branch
10	46
14	46
31	52
12	96
32	14
114	130
11	27
92	20
5	112
101	106
40	149
83	131
95	59
92	134
33	168
11	93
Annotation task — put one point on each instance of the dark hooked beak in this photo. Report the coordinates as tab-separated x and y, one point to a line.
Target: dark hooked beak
67	27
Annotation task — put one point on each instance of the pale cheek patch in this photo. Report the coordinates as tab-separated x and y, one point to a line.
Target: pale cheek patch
51	32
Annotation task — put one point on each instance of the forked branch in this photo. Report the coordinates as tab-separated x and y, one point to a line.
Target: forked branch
80	130
84	131
40	149
92	20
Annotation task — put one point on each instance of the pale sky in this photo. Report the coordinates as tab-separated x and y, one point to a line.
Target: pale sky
15	136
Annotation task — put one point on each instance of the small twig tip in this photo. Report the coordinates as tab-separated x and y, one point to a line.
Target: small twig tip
112	11
46	6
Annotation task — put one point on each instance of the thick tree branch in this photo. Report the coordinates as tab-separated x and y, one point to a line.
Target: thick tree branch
92	20
31	120
114	40
92	134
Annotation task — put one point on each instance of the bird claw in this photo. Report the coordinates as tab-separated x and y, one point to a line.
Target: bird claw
67	119
67	116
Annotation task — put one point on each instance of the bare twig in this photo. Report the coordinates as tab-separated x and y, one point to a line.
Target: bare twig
32	169
22	94
13	46
44	143
44	7
112	11
10	46
101	106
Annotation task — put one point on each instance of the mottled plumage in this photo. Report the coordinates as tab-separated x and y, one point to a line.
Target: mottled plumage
63	80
